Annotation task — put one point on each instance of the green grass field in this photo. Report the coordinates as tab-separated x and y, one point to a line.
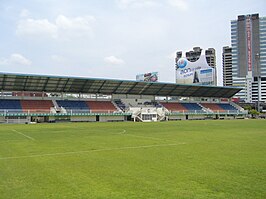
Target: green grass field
183	159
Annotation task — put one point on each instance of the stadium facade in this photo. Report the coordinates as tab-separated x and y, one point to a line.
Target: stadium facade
248	40
28	98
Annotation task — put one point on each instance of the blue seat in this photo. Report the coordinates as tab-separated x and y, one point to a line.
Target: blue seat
73	105
192	106
10	105
228	107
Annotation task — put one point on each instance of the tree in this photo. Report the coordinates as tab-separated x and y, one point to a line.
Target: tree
254	113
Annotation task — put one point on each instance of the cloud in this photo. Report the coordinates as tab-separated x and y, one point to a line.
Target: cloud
180	4
40	27
114	60
74	27
62	28
123	4
15	59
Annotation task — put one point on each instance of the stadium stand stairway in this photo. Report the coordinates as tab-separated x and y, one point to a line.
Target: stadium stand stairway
120	104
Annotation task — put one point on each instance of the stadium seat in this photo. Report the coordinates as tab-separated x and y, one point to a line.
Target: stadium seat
101	106
74	106
10	105
37	106
219	107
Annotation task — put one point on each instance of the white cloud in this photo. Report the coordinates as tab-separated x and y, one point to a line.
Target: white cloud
123	4
41	27
180	4
74	27
114	60
63	27
15	59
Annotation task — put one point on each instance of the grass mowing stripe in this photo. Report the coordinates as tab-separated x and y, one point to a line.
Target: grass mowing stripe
96	150
23	134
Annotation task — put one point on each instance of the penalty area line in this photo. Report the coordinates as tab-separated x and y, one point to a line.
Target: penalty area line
89	151
142	136
31	138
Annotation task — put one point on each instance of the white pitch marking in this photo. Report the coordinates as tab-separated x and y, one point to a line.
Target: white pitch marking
23	134
96	150
153	138
123	132
141	136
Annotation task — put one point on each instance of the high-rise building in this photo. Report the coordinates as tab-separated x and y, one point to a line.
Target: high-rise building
194	55
227	66
248	39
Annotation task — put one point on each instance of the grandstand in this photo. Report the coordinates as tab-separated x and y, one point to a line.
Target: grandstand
28	98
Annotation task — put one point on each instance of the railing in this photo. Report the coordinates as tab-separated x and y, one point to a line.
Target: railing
5	112
91	111
207	112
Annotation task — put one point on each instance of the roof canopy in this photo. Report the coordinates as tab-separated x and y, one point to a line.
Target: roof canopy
44	83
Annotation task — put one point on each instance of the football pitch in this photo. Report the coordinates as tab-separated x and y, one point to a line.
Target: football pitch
182	159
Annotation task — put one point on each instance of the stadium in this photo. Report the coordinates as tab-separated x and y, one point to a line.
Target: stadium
38	98
76	137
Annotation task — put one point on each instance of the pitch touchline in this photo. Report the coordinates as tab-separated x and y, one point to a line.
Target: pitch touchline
23	134
96	150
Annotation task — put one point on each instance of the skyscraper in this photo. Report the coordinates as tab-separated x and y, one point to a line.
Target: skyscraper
227	66
195	54
248	39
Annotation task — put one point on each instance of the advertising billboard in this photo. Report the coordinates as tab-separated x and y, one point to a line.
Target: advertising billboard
198	72
148	77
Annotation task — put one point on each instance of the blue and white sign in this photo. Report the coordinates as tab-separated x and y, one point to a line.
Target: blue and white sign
182	63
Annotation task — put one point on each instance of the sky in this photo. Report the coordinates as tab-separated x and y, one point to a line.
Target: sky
113	39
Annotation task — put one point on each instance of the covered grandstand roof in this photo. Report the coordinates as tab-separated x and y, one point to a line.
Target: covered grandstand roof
45	83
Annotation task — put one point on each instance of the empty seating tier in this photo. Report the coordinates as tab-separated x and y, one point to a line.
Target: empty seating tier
101	106
182	107
174	106
192	106
228	107
10	105
73	105
38	106
218	107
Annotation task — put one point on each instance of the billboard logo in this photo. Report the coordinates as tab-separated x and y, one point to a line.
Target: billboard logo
181	63
148	77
